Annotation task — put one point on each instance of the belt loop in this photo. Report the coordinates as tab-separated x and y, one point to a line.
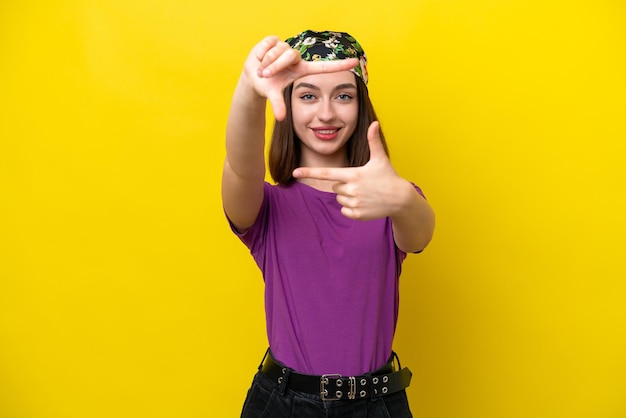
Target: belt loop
282	381
263	359
395	356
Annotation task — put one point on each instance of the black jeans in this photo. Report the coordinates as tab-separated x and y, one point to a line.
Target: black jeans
264	400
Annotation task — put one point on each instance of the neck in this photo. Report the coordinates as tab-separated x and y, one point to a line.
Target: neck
339	159
310	159
321	185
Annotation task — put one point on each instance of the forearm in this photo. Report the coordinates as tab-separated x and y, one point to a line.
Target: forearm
245	132
414	220
244	167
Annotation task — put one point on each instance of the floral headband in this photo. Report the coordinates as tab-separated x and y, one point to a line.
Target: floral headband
330	46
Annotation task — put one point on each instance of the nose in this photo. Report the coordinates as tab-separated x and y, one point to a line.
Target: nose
326	110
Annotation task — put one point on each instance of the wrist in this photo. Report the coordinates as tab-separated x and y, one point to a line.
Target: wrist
247	97
406	196
247	91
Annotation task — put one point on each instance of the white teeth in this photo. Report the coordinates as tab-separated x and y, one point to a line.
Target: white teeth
327	131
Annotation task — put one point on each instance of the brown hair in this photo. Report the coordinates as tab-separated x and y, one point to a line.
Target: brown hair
284	152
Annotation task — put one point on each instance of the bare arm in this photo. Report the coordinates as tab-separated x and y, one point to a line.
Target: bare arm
414	221
376	191
244	166
269	68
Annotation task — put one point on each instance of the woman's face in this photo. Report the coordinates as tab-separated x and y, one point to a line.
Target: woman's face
324	111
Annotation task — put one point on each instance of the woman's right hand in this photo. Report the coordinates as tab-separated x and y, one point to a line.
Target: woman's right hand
272	65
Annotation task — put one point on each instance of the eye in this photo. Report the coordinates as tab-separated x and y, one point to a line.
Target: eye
344	97
307	96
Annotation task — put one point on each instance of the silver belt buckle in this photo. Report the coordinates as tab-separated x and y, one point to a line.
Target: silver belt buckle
324	392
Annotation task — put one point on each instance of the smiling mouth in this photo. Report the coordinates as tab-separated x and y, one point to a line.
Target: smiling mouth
326	131
326	134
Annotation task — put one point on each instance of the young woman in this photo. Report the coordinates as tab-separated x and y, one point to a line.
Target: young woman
329	237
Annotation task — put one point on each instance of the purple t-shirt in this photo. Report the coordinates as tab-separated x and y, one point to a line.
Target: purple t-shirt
331	283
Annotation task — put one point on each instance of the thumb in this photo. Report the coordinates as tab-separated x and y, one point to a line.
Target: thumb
278	104
377	149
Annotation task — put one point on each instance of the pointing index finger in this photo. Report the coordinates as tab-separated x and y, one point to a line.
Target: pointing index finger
341	174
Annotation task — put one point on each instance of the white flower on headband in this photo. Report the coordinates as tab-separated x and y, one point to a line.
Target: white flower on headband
363	65
331	43
330	46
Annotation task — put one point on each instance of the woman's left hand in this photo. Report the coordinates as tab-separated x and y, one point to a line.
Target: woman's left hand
372	191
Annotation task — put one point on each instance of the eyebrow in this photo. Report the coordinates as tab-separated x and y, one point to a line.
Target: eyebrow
314	87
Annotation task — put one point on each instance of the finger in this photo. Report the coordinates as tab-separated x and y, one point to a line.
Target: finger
375	143
353	213
277	101
277	59
317	67
346	201
264	46
323	173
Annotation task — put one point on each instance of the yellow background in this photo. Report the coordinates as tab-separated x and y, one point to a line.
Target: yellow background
124	294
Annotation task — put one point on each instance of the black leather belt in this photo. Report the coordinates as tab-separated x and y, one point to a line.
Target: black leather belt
332	387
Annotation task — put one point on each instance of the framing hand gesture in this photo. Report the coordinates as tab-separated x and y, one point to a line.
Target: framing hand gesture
372	191
273	64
